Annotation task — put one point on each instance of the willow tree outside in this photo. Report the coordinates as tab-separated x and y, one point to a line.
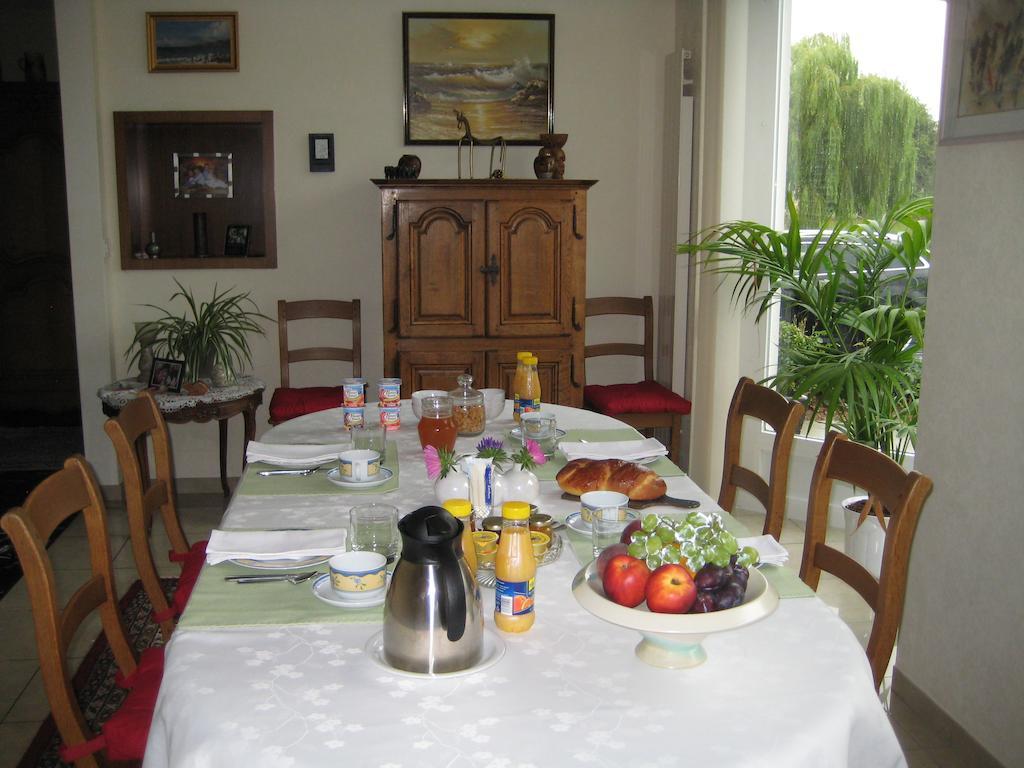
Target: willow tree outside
858	145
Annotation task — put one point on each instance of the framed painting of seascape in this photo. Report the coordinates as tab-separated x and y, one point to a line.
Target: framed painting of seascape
983	83
192	42
498	69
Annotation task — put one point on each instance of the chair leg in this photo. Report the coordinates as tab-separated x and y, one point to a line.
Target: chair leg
675	443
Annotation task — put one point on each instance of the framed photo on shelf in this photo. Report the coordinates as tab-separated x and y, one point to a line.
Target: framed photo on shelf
166	375
199	174
982	89
192	42
321	152
236	240
498	69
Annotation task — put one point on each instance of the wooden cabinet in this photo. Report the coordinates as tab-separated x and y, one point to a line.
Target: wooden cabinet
476	270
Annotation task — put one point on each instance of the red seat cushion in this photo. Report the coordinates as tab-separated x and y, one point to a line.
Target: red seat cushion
192	564
287	403
642	397
127	729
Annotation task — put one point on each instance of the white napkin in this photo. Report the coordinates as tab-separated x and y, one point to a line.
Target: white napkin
273	545
771	552
628	450
293	456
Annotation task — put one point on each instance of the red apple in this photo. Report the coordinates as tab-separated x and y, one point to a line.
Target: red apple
634	525
606	555
670	589
624	580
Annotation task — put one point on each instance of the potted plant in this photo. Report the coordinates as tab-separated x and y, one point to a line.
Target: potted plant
210	336
852	343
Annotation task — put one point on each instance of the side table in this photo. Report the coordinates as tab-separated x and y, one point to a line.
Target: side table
220	403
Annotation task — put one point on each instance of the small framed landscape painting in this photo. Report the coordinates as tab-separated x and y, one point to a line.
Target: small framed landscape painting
982	86
203	174
192	42
497	69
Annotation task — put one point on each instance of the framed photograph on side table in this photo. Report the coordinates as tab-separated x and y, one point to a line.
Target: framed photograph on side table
236	240
192	42
166	375
982	88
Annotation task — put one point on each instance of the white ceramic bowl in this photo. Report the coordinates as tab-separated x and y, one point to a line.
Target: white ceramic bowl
494	403
673	640
419	394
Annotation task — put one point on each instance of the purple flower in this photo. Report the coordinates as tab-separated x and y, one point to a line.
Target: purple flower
489	445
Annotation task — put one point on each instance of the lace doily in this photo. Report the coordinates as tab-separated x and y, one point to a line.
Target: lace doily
120	393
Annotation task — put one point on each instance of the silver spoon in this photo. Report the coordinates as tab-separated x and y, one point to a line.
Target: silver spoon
294	578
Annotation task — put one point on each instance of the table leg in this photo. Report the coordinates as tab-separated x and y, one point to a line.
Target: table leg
249	415
222	425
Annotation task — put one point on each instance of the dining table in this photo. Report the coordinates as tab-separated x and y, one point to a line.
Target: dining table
265	674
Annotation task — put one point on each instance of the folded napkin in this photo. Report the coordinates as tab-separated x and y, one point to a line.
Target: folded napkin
771	552
293	456
629	450
273	545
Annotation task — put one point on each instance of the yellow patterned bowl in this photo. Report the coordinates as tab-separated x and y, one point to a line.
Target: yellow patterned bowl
358	574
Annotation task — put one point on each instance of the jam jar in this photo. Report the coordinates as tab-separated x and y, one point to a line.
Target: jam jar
467	407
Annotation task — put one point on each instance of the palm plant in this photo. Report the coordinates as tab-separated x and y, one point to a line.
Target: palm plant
209	336
853	288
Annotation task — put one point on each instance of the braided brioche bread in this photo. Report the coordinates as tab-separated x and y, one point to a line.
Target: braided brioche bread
582	475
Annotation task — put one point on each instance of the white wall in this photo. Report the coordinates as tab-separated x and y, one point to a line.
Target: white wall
964	611
326	66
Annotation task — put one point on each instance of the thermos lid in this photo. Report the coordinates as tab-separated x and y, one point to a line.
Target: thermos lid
430	525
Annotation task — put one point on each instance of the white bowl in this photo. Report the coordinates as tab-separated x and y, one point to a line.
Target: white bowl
494	403
673	640
419	394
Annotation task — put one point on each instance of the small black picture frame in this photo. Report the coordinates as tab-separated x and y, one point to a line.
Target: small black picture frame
236	240
166	375
321	152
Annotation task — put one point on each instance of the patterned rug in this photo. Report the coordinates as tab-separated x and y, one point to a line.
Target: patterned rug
98	695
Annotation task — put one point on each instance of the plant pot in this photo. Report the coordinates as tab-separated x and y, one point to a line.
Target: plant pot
865	539
218	375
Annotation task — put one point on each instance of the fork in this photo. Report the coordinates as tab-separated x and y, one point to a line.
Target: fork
294	578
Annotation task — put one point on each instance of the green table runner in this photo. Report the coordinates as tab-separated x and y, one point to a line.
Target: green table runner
311	485
662	466
218	603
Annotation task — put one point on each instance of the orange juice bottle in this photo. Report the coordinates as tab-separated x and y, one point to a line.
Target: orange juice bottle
519	382
515	570
463	510
529	396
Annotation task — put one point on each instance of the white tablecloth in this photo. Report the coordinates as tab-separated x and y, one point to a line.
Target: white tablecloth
791	690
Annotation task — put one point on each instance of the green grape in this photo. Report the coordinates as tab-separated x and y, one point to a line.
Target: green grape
653	562
730	543
653	545
666	534
748	557
638	550
672	554
650	522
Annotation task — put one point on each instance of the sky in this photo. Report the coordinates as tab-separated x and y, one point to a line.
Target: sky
901	39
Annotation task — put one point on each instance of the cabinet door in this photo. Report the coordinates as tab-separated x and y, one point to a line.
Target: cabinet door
554	367
440	253
438	369
531	245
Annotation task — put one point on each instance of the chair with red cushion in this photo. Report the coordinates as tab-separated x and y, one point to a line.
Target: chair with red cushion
123	736
137	425
647	404
289	402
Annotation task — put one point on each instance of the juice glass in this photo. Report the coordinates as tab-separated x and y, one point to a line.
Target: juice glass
437	427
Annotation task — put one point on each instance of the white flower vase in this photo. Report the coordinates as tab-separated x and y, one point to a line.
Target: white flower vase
520	485
454	485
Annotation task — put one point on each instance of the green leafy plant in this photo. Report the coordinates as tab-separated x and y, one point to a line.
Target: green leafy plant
854	348
206	335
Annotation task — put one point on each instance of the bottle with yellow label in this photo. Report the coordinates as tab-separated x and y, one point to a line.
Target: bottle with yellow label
519	382
529	395
515	570
463	510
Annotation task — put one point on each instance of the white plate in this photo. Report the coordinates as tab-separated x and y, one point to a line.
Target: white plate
335	477
494	649
578	524
516	432
643	461
323	590
282	564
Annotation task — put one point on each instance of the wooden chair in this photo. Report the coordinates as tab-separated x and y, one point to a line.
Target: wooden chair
783	416
139	423
889	487
68	491
643	405
289	402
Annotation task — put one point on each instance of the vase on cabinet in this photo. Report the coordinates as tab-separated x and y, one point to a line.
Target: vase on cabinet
552	144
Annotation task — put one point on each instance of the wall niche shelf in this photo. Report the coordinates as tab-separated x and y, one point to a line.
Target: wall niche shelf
145	144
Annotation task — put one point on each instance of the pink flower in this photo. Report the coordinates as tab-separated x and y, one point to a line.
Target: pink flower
432	461
536	452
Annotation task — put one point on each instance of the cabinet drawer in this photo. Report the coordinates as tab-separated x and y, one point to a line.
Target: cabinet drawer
438	369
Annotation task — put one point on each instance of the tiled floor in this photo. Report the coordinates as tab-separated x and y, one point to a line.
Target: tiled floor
23	703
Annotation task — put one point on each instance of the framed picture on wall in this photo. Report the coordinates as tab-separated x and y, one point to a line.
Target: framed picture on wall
236	240
203	174
192	42
982	89
498	69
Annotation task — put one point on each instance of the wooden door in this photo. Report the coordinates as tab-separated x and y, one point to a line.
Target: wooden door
554	367
531	246
440	253
438	368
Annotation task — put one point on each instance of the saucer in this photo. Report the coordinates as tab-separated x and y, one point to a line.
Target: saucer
578	524
493	651
323	590
335	477
517	434
282	564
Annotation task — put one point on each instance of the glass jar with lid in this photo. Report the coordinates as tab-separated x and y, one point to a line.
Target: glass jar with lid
467	407
437	427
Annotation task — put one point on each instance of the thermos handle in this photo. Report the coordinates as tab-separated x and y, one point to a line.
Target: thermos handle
454	592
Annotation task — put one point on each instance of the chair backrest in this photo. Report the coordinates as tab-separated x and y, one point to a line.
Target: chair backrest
899	492
318	309
783	416
139	424
625	305
69	490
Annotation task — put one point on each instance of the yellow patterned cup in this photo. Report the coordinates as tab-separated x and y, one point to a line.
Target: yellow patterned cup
358	574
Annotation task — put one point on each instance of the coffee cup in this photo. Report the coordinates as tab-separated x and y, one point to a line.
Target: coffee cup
358	465
358	575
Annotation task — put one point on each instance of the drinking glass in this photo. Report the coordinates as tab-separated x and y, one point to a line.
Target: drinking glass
372	437
374	527
606	526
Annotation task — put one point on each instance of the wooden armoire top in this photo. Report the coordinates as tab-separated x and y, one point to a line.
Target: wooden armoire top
484	183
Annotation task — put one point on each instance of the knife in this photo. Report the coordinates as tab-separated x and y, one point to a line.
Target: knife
670	501
270	577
